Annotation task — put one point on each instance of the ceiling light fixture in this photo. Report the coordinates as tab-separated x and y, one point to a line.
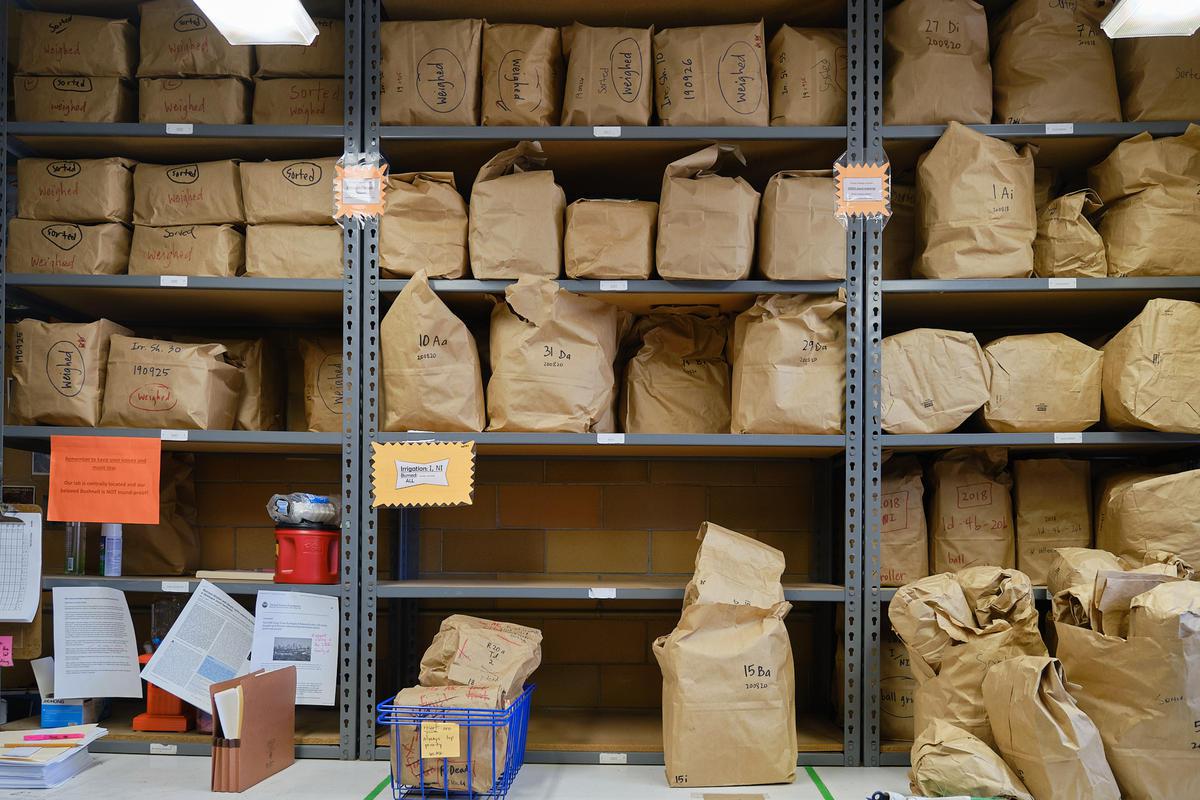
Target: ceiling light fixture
1133	18
260	21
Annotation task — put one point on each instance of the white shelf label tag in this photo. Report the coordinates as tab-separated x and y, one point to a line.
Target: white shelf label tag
179	128
175	586
1068	438
1060	128
157	749
614	286
610	438
1060	283
614	758
606	131
361	191
169	435
172	280
602	593
869	190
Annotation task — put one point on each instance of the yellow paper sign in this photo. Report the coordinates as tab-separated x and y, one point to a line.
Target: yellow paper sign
439	740
863	190
409	474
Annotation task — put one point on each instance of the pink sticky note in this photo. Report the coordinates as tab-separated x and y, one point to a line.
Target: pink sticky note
6	651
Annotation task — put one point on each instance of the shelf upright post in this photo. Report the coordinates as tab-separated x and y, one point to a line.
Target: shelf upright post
4	200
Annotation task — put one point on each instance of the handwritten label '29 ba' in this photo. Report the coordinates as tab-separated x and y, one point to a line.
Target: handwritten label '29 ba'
520	83
441	80
739	75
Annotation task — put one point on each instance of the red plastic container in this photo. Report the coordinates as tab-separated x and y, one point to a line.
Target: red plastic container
306	554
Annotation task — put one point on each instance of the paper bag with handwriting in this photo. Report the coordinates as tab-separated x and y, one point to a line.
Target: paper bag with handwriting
323	384
522	74
903	533
516	219
972	510
471	771
77	99
294	251
1042	382
469	651
947	760
610	239
430	72
897	688
211	250
714	75
431	375
298	101
82	190
900	234
734	569
299	192
203	101
178	41
799	238
172	547
808	76
424	227
1151	370
1067	246
208	193
70	44
932	380
324	58
1053	501
1157	77
65	247
1155	513
609	75
260	403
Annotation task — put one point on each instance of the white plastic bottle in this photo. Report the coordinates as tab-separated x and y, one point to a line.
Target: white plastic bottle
110	549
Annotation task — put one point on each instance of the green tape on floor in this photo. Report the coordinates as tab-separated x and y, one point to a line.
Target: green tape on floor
383	784
817	782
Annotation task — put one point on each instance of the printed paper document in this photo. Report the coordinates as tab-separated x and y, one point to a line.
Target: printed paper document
298	630
95	649
20	567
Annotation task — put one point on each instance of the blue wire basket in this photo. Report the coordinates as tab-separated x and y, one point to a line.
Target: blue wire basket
492	741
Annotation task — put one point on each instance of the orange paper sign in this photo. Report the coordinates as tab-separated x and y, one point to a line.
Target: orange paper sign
104	479
358	191
864	190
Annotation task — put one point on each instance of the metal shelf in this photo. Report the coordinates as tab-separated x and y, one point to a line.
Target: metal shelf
992	285
886	593
1115	130
750	287
1087	439
716	445
175	583
37	437
576	133
100	130
632	589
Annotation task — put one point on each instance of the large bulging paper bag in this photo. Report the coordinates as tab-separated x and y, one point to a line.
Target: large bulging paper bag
82	190
298	192
722	725
172	547
324	58
936	63
976	216
1156	513
1053	501
900	234
1157	77
896	689
424	227
799	238
178	41
1168	612
947	760
516	216
522	74
202	101
208	193
789	365
1108	489
469	651
294	251
261	401
1067	246
972	510
808	76
323	383
298	101
609	75
65	247
472	772
1151	368
73	99
610	239
903	534
430	72
1042	382
431	375
1075	566
714	75
932	380
210	250
733	569
71	44
552	356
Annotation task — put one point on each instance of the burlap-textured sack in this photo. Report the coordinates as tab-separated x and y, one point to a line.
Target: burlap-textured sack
611	239
298	192
1154	513
609	75
932	380
59	369
897	686
431	374
172	547
260	402
324	58
298	101
323	384
83	190
789	365
799	238
206	101
936	63
900	234
516	219
552	355
733	569
69	44
706	221
1067	246
947	760
178	41
903	533
208	193
1053	502
972	510
808	76
522	74
430	73
487	748
294	251
715	75
1042	382
76	99
469	651
1157	77
1150	186
678	381
424	227
722	726
975	212
64	247
1151	368
1051	62
214	250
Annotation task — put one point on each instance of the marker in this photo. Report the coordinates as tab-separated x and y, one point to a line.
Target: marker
49	737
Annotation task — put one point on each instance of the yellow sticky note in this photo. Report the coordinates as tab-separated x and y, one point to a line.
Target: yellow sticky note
409	474
439	740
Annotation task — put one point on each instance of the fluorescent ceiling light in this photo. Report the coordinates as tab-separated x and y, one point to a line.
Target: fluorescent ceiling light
260	21
1152	18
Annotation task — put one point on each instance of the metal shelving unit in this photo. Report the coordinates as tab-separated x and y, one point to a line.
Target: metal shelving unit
185	585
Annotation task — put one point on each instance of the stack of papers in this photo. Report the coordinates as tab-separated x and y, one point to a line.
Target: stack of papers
34	767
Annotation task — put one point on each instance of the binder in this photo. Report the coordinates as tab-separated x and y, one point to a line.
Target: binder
266	743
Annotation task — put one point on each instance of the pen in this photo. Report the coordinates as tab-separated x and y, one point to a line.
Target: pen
49	737
43	744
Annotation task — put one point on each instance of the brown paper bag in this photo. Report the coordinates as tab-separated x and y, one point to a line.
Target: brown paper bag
808	76
208	193
1166	613
1074	566
431	375
294	251
609	75
214	250
1067	246
298	192
178	41
260	403
522	74
516	219
1150	370
424	227
678	381
789	365
1157	77
896	689
64	247
430	73
1113	595
799	238
936	63
610	239
706	221
488	746
733	569
1108	488
975	211
714	75
552	356
158	384
206	101
903	534
69	44
59	369
1054	510
1155	513
83	190
298	101
323	384
469	651
900	234
972	509
932	380
947	760
1150	185
172	547
1042	382
1051	62
722	725
324	58
72	100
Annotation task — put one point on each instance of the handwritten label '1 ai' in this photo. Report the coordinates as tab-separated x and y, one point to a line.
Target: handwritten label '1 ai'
439	740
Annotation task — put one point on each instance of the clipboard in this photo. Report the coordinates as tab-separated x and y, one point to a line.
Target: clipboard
267	741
